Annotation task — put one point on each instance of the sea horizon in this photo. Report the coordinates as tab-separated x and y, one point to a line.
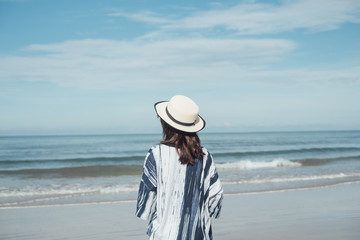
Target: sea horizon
159	133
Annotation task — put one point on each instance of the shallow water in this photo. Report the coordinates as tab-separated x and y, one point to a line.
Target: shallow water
53	170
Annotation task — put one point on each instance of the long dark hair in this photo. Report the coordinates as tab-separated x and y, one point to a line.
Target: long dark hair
187	144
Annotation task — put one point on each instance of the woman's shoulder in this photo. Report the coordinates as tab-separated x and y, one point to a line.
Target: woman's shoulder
160	146
205	151
167	144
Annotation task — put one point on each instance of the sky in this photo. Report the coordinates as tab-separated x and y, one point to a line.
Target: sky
98	67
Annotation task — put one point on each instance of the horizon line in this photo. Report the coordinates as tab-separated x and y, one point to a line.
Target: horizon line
157	133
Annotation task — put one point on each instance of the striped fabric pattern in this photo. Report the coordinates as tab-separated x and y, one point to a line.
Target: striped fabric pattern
178	200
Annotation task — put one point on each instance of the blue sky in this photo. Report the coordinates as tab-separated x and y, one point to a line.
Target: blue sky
77	67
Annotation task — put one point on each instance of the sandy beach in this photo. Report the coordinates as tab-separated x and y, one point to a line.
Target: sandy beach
323	213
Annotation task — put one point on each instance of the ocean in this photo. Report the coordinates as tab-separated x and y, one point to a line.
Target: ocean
40	171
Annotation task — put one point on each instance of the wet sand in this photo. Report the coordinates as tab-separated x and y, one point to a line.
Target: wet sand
322	213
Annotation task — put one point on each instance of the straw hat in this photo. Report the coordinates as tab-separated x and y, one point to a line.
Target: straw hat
181	113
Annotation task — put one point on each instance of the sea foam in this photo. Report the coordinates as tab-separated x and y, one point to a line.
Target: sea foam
295	179
248	165
68	190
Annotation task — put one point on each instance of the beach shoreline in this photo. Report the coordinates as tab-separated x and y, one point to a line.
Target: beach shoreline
320	213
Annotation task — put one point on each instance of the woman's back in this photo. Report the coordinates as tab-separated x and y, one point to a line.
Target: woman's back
181	199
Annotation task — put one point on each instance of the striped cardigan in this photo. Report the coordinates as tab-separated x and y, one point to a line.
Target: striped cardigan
178	200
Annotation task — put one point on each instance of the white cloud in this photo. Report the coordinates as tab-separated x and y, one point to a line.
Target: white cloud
155	59
188	62
106	63
250	17
143	16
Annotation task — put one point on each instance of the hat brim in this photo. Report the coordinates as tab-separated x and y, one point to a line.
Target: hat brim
160	108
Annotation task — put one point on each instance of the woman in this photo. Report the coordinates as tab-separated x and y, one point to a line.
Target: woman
180	189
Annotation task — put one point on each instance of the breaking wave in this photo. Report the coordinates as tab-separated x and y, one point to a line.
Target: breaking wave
248	165
289	151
